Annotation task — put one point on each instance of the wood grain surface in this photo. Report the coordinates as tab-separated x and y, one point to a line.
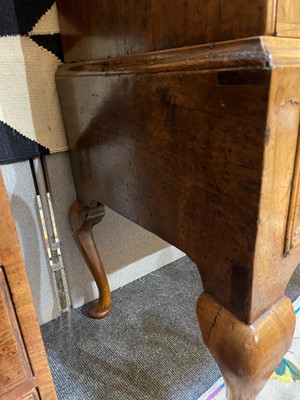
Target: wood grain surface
24	346
117	27
185	153
199	145
246	354
181	154
82	220
14	366
288	18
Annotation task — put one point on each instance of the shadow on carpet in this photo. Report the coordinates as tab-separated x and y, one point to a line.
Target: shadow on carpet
148	348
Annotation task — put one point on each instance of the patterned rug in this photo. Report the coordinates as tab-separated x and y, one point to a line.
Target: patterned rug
284	384
30	48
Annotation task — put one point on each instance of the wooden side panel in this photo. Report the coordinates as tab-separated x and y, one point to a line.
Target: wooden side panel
14	367
273	268
102	28
292	244
181	154
12	263
288	18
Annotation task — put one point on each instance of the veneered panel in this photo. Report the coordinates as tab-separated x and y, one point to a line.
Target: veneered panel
14	366
288	18
101	28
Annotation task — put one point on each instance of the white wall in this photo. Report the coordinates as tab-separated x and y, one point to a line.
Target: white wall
20	189
128	251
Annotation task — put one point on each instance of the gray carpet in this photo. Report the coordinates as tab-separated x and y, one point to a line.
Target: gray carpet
148	348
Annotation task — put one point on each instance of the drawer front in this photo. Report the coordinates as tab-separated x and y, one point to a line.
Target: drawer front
14	365
288	18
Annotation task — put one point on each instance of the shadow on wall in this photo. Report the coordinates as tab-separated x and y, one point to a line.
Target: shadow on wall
18	181
34	255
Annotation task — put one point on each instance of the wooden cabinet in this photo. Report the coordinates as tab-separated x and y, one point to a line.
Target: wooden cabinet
24	370
199	145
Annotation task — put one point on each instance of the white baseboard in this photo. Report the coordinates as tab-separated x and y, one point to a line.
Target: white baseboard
144	266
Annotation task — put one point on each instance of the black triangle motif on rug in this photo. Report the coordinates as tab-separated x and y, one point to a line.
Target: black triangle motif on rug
16	147
20	16
51	43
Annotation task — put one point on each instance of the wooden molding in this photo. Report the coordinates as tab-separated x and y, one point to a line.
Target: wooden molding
292	244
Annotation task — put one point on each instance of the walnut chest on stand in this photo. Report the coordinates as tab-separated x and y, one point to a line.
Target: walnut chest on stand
183	116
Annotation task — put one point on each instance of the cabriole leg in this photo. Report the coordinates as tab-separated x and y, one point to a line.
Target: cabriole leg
82	220
246	354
